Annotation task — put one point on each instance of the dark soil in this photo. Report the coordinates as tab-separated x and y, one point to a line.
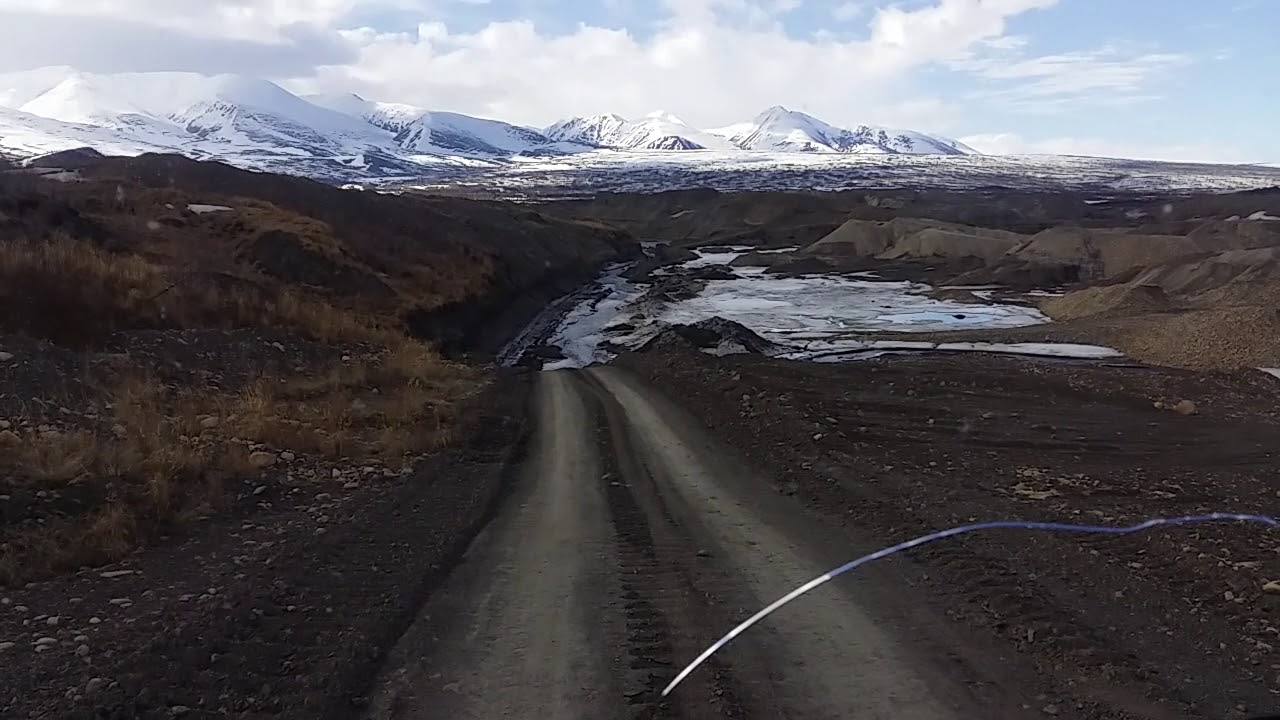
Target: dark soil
282	610
1169	624
283	255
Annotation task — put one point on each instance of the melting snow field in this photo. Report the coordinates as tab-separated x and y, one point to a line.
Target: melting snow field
813	317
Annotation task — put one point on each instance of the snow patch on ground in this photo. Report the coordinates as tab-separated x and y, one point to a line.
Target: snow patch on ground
842	352
200	209
1273	372
877	349
1263	215
62	176
719	257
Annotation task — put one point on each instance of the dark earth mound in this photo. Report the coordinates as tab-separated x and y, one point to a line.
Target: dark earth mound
714	333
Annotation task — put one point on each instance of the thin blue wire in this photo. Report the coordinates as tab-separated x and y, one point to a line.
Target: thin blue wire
925	539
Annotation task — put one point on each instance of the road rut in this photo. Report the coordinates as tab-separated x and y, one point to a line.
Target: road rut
632	541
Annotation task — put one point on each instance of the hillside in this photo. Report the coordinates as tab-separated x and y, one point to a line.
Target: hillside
154	300
431	253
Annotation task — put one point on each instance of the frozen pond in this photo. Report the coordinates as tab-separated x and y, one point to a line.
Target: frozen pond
812	317
778	307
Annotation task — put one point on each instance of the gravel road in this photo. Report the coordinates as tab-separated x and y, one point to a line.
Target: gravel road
632	540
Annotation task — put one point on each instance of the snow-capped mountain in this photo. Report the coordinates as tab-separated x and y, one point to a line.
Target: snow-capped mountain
392	117
657	131
243	120
781	130
453	133
775	130
343	137
418	130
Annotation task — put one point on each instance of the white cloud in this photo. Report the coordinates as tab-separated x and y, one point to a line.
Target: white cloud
1045	83
848	11
1014	144
240	19
714	60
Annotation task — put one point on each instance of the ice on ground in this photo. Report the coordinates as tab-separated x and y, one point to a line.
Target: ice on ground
204	209
972	316
772	306
840	352
1058	350
813	317
62	176
719	257
581	334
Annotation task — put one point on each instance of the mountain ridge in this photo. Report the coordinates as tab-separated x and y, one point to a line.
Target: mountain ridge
255	123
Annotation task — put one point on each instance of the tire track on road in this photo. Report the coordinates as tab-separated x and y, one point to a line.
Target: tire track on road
667	612
528	626
833	655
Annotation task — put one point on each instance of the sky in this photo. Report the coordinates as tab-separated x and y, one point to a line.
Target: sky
1188	80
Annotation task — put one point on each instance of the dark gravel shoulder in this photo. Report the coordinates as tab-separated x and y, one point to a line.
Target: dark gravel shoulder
1174	624
283	610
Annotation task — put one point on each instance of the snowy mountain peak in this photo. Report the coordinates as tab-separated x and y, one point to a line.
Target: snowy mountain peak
79	99
452	133
394	118
773	114
779	129
657	131
664	116
256	123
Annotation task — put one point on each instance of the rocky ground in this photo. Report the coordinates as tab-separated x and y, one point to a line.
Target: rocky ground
279	605
1179	623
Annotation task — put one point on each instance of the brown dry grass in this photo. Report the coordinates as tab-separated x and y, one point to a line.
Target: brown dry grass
74	293
163	463
168	465
401	403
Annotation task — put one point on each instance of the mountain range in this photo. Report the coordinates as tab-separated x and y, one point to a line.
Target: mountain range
254	123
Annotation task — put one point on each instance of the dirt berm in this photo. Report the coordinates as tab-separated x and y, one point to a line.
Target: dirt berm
776	219
1104	253
715	335
1054	256
914	238
1215	312
466	274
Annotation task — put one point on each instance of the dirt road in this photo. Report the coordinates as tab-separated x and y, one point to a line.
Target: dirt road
633	540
